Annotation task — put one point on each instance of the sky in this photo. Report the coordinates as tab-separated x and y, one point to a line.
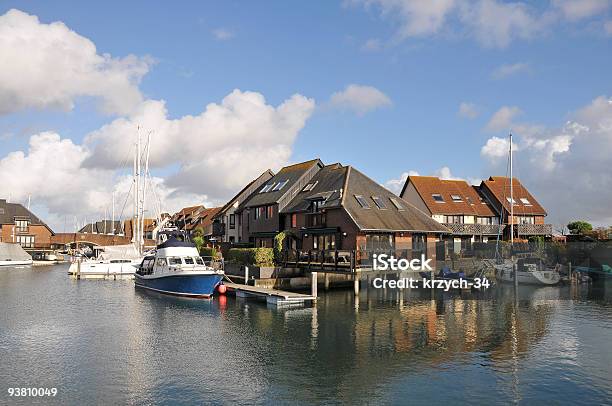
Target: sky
229	89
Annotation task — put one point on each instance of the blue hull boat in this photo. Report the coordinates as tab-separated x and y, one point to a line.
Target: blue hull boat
191	284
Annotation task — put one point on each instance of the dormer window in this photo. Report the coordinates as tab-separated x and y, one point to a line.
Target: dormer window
396	203
456	198
310	186
437	198
279	185
266	188
362	201
379	202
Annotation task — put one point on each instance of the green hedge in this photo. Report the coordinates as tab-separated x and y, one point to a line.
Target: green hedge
251	256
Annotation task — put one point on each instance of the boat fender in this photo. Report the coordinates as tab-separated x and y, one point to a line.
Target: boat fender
222	289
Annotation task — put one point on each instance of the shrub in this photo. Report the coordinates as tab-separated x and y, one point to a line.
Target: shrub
279	240
251	256
199	242
208	252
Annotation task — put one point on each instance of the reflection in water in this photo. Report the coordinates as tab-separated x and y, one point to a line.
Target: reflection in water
105	341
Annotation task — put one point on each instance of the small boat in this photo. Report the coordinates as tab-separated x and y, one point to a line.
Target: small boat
13	255
176	268
530	271
114	261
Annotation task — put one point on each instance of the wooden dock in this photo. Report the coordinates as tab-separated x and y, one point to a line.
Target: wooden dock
273	296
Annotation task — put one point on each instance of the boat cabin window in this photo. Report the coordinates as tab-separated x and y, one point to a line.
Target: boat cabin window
189	261
174	261
199	261
119	261
161	261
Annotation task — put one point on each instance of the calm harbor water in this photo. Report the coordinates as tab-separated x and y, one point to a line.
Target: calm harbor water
103	342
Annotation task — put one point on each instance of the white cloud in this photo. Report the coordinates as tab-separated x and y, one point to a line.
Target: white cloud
51	65
502	119
504	71
360	99
416	17
468	110
396	185
574	10
53	174
219	150
608	27
568	168
223	34
493	23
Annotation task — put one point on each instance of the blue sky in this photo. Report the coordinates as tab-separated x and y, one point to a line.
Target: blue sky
202	51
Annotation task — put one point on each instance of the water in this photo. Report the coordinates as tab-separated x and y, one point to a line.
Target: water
102	342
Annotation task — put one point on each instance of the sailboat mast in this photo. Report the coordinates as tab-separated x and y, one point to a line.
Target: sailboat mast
138	198
511	198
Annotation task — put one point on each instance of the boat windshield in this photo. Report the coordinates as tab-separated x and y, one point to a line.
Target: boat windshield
199	261
174	261
189	260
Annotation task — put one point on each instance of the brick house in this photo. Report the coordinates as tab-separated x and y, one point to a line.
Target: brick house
261	214
460	207
529	215
19	225
340	208
230	222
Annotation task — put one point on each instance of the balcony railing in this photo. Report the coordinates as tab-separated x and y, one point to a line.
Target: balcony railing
316	220
474	229
533	229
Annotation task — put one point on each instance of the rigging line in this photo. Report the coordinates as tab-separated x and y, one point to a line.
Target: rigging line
125	202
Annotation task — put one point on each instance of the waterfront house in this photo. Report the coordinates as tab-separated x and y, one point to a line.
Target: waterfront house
183	217
529	215
261	213
19	225
202	219
230	224
459	206
340	208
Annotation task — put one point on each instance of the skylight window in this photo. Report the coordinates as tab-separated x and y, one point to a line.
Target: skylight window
310	186
438	197
396	203
511	200
279	185
379	202
525	201
266	188
362	201
456	198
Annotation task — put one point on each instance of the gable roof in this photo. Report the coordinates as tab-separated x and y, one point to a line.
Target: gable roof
471	204
99	227
327	186
8	212
247	191
292	174
390	219
499	188
203	218
337	186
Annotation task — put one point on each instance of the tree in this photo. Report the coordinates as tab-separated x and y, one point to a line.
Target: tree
579	227
199	242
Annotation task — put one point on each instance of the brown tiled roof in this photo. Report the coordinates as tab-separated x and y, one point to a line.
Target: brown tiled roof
8	212
471	203
499	187
203	218
247	191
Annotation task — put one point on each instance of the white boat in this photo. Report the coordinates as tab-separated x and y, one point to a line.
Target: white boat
529	271
119	260
13	255
176	268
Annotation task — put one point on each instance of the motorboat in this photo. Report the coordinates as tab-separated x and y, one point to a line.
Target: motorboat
176	268
529	271
122	260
